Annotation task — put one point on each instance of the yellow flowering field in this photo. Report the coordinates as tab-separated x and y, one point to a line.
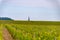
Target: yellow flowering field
1	35
34	32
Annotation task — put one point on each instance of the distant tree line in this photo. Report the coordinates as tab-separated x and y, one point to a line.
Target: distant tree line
5	18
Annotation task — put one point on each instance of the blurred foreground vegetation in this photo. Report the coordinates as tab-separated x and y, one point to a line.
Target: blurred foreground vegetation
33	30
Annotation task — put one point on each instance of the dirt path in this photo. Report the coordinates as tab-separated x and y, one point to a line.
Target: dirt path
6	35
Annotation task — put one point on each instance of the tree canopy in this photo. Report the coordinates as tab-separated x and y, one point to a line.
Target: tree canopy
5	18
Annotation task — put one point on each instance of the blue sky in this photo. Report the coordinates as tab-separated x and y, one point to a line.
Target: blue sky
35	9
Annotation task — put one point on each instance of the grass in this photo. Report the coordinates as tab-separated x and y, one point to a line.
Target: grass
33	30
1	37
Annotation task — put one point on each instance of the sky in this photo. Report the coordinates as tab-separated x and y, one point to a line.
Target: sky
35	9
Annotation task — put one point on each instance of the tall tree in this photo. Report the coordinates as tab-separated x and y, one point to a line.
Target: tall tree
28	18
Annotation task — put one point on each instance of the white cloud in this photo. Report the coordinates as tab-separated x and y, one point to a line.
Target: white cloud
11	10
32	3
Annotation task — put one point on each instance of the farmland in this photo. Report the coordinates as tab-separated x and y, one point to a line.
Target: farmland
34	30
1	37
